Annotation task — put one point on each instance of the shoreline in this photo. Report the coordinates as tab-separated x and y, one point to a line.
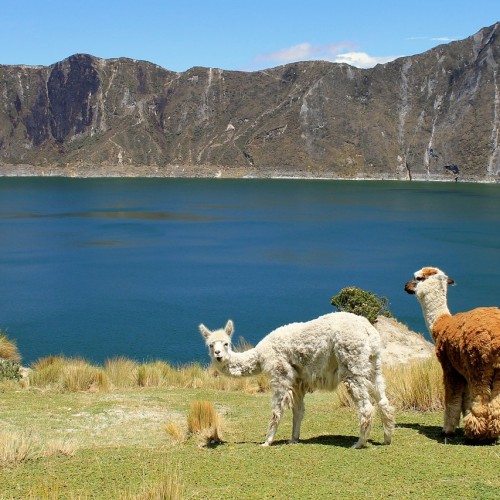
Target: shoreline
212	172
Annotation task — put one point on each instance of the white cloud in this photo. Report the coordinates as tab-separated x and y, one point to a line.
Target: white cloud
444	39
333	53
362	59
295	53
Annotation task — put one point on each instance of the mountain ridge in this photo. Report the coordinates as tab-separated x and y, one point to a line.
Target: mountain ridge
432	116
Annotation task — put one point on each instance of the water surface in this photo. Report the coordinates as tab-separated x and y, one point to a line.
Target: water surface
106	267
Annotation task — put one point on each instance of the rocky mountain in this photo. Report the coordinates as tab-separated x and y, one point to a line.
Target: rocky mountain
431	116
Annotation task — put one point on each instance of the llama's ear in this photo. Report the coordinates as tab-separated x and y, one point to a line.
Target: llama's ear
204	330
450	281
229	328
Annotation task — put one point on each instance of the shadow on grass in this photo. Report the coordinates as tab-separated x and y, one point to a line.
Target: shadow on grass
325	440
435	433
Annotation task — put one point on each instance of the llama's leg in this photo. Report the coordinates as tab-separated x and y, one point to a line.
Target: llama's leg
386	410
282	398
494	420
477	421
466	401
298	410
454	391
358	389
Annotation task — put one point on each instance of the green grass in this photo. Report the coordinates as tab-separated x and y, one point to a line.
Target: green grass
121	448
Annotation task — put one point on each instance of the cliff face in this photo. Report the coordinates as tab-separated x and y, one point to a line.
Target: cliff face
431	116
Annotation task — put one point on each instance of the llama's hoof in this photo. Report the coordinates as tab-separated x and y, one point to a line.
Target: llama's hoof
447	434
292	441
265	443
358	446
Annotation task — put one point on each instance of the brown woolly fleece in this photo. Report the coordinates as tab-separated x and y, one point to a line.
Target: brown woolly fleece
468	343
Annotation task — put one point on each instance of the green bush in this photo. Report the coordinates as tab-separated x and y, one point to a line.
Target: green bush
360	302
9	370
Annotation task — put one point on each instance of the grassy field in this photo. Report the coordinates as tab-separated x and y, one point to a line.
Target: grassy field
133	442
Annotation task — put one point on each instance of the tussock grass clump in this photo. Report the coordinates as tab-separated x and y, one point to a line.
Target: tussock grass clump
46	371
417	385
175	432
18	447
168	487
68	374
155	374
58	447
149	375
121	371
8	348
204	421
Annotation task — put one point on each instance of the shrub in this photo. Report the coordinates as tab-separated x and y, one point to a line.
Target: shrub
360	302
9	370
8	348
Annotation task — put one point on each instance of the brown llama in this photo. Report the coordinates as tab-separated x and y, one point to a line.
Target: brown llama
468	348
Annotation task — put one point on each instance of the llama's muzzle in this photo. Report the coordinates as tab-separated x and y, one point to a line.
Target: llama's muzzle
411	286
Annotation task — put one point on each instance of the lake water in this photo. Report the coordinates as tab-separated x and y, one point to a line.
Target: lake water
106	267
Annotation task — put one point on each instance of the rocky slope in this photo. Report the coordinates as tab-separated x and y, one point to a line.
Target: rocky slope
431	116
401	345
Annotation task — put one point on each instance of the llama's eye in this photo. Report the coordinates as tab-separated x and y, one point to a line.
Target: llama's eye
226	344
211	346
420	278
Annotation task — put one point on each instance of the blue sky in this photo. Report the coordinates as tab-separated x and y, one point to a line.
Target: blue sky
235	35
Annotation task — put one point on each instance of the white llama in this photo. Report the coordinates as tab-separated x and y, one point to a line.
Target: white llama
318	354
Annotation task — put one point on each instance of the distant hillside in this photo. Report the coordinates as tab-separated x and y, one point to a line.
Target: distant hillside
431	116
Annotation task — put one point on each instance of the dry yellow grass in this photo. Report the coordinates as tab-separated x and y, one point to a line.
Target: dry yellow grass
121	371
68	374
17	447
175	432
204	421
169	487
8	348
412	386
416	386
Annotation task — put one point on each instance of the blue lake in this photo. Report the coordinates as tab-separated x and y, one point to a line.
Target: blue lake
108	267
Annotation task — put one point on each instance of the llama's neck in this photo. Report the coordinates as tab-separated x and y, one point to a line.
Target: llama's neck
243	364
433	305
